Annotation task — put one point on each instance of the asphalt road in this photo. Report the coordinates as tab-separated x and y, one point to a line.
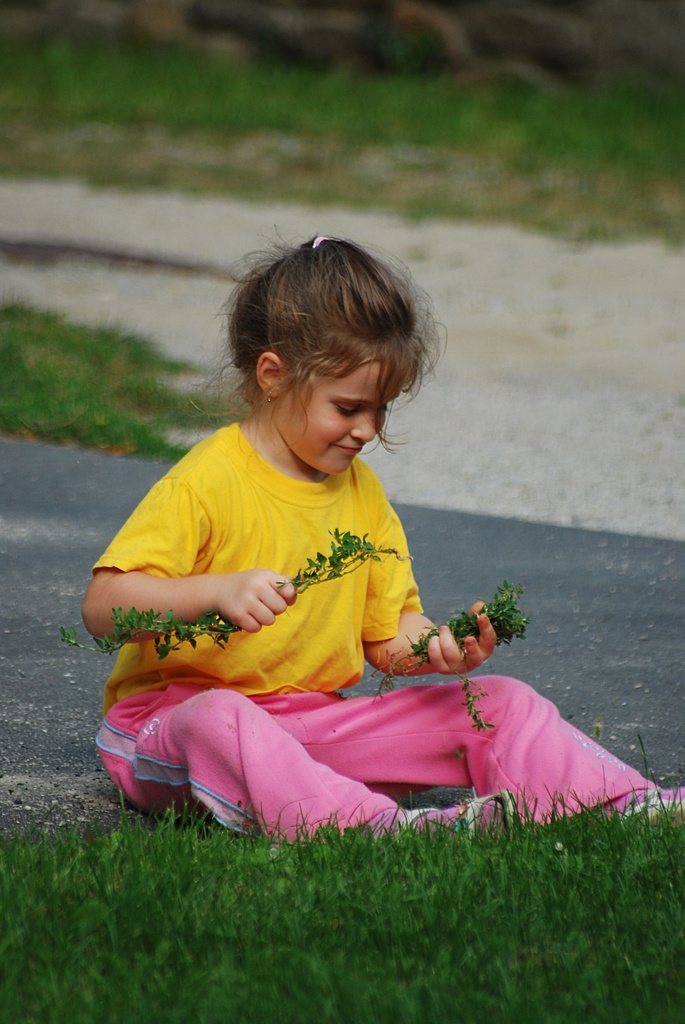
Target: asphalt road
606	639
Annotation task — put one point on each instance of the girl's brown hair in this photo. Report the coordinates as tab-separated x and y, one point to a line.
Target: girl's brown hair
326	307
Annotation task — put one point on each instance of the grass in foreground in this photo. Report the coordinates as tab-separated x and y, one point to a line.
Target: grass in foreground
94	388
582	920
588	163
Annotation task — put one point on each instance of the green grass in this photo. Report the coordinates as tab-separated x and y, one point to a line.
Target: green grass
94	388
639	129
582	920
586	162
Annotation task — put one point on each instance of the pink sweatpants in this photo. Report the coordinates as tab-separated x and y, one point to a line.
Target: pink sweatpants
289	763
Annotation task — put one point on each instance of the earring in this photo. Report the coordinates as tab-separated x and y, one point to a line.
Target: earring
268	398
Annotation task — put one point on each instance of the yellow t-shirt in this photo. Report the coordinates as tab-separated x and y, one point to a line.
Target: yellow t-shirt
224	509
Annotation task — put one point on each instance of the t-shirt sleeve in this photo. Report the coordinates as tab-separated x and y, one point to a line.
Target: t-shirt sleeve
166	535
392	588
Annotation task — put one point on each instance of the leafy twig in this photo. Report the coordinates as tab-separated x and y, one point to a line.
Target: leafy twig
348	552
169	632
508	622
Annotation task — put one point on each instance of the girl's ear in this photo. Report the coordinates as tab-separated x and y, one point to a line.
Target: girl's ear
270	373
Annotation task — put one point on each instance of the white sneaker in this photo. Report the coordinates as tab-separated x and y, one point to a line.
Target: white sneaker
661	804
497	811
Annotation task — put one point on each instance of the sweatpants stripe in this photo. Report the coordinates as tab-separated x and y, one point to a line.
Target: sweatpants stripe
115	753
226	803
149	769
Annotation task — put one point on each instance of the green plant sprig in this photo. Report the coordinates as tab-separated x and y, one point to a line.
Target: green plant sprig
168	631
505	617
348	552
507	620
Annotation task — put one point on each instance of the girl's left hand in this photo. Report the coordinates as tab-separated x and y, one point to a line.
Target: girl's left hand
446	656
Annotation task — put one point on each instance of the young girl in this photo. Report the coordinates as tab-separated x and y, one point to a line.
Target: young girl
324	337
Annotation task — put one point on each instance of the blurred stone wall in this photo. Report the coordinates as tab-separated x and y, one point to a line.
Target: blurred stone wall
547	43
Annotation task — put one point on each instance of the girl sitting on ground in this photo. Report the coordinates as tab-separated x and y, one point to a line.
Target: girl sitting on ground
324	337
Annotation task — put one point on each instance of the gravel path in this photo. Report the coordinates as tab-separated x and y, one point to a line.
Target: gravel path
561	395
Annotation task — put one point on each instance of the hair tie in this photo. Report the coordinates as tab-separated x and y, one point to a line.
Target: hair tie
321	238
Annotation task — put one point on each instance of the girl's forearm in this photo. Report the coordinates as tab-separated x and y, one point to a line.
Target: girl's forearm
189	597
396	653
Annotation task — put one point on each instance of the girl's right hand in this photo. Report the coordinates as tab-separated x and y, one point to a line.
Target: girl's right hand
253	598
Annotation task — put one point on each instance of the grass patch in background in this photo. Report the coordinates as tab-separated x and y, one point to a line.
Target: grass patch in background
588	163
582	920
95	388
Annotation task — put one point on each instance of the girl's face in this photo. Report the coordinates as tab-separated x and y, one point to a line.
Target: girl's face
323	434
